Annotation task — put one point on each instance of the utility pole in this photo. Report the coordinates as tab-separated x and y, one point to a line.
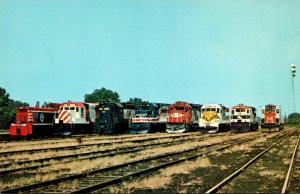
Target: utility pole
293	73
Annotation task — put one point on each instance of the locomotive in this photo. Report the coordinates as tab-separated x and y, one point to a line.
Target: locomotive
147	118
183	117
214	118
75	117
271	117
34	121
110	118
243	118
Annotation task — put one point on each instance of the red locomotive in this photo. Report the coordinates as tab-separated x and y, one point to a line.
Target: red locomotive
271	117
34	121
182	117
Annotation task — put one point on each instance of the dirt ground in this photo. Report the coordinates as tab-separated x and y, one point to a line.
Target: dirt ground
265	176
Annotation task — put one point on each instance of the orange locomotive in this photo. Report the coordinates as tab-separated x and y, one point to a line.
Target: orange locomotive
271	117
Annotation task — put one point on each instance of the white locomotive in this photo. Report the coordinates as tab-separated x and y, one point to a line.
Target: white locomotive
243	118
75	117
214	118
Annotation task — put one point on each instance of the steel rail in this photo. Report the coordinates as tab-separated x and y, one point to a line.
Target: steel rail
104	153
151	169
85	174
75	139
289	173
86	145
2	165
237	172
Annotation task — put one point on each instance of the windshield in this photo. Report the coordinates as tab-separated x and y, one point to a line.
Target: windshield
270	108
210	109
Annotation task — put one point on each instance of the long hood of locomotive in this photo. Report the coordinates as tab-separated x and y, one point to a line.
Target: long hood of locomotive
40	117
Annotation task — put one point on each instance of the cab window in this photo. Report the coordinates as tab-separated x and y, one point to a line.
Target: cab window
81	112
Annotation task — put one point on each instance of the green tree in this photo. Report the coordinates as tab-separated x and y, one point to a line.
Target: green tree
136	101
8	109
102	94
294	119
4	109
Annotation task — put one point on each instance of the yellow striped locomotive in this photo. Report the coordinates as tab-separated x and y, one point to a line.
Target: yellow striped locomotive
214	118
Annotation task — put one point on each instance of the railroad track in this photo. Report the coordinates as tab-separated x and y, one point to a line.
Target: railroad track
76	139
100	178
74	147
292	179
218	187
38	163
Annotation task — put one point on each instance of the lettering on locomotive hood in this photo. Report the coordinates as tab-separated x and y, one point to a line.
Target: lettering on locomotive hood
176	114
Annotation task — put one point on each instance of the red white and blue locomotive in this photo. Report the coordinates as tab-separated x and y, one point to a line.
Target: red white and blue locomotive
148	118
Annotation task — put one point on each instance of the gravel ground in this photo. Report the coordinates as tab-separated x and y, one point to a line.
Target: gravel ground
265	176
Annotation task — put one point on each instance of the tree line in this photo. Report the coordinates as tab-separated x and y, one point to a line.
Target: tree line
8	106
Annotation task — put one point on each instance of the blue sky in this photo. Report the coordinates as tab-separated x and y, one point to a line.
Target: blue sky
202	51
